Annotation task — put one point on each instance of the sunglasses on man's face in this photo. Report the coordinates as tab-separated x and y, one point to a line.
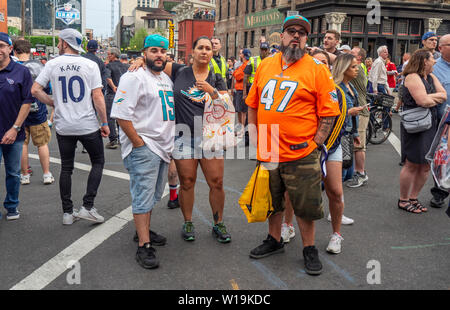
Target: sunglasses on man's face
293	31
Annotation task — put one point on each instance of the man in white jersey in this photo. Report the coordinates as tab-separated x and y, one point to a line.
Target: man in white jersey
76	83
144	108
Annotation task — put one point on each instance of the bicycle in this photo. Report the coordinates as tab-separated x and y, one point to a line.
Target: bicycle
380	122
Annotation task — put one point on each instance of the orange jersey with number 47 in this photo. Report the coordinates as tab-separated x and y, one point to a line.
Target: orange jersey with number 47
290	100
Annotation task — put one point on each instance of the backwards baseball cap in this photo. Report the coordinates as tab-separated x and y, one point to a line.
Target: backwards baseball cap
297	20
124	56
92	45
156	40
264	46
73	38
247	53
5	38
428	35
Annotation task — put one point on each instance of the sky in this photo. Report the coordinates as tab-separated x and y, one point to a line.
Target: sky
98	16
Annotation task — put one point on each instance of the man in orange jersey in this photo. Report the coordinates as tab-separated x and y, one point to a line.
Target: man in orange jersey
294	102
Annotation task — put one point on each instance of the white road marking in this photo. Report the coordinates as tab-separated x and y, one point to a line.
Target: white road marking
56	266
395	143
111	173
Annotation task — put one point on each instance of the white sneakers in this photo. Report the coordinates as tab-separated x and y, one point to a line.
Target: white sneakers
69	219
334	246
345	220
48	179
287	232
91	215
83	213
25	179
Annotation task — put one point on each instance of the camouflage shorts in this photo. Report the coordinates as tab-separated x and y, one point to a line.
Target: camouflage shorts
302	180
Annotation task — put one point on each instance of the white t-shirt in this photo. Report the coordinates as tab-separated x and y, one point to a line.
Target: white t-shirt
72	78
147	101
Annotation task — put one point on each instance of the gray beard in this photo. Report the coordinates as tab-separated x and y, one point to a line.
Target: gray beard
292	54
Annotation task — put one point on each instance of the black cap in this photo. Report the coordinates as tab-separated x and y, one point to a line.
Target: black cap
92	45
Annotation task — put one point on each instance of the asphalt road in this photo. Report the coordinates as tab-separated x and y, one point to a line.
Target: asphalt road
393	248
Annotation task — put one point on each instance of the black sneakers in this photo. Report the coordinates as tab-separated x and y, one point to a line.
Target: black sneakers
145	256
313	266
155	239
270	246
173	204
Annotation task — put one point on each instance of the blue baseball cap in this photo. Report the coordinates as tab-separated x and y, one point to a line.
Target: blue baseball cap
247	53
297	20
428	35
5	38
156	40
92	45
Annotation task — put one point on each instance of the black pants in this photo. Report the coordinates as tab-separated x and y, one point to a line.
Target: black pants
111	121
94	146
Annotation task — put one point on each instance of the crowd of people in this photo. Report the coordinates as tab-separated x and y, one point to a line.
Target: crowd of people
310	102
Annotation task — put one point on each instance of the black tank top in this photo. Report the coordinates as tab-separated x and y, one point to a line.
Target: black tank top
408	100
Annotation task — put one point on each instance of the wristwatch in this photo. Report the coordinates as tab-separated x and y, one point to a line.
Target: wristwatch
18	128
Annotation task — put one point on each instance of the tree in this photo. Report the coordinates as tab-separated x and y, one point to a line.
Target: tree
137	41
13	31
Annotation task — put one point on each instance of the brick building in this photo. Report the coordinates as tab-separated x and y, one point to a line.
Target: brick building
194	18
241	23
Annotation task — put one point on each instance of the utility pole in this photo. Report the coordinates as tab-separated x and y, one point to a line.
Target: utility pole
23	17
53	23
31	17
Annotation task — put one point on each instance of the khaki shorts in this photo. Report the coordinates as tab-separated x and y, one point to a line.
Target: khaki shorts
362	127
302	180
40	134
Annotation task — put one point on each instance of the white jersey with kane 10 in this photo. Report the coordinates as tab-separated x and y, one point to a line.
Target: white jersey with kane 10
146	99
72	78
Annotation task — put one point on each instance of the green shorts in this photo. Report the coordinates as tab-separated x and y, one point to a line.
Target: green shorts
302	180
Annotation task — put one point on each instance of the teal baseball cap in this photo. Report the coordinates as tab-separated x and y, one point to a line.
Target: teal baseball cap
156	40
297	20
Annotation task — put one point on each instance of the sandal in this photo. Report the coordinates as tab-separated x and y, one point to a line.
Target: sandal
409	207
418	205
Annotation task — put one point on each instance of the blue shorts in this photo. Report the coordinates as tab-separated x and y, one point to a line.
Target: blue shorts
336	155
148	177
190	148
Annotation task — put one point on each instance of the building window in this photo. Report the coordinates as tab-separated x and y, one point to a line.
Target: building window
323	27
246	6
253	5
237	7
388	26
345	27
151	24
402	27
443	29
357	24
373	29
274	2
235	44
316	25
245	39
252	38
220	10
264	4
414	28
228	9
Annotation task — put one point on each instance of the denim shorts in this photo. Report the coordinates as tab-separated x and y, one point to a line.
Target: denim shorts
190	148
336	155
148	177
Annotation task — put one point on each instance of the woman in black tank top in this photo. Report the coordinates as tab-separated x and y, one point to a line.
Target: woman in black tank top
421	89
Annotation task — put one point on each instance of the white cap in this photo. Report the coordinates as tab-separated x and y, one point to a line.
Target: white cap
73	38
345	47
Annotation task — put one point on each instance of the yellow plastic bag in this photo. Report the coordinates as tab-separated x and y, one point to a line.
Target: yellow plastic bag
256	200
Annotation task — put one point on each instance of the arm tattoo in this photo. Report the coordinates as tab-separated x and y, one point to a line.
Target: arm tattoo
324	129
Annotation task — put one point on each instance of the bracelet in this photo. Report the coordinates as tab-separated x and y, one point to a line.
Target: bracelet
104	124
